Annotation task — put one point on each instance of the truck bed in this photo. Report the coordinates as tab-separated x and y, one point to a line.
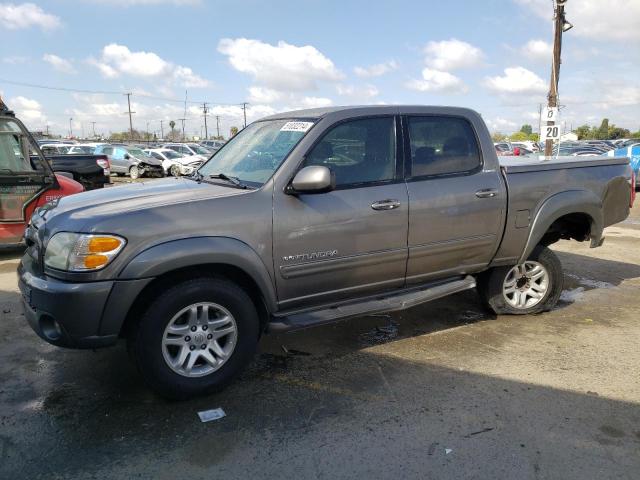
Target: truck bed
537	164
599	187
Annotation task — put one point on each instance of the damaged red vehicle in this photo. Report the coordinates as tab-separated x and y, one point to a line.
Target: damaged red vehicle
26	179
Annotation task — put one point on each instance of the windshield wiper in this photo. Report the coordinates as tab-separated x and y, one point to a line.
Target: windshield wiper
233	180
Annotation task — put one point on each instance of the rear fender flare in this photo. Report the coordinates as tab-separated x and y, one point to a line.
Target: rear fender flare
559	205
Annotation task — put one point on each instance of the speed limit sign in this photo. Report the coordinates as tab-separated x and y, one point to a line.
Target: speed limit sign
550	132
550	114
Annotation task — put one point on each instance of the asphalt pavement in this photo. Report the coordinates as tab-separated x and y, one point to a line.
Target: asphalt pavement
444	390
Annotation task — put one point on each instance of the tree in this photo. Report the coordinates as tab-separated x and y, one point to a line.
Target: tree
603	131
234	131
498	137
618	132
635	134
534	137
584	132
526	128
519	136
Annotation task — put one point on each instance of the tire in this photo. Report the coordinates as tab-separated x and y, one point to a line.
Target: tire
134	172
503	288
175	170
148	341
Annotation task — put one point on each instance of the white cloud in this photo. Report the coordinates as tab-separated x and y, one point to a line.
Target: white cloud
28	110
264	95
437	81
25	15
516	80
312	102
376	70
612	20
451	55
537	50
61	64
15	59
282	66
500	124
117	60
364	91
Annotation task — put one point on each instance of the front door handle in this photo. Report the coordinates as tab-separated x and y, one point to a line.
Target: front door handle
388	204
487	193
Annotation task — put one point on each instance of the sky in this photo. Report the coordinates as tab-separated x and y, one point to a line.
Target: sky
492	55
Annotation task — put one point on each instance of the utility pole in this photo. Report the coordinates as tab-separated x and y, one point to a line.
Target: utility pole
205	110
130	118
162	129
183	134
93	126
560	26
244	111
70	129
218	125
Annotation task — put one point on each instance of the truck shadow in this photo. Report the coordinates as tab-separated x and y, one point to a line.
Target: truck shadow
308	386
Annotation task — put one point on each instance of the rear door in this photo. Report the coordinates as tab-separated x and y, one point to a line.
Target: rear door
456	204
352	240
22	178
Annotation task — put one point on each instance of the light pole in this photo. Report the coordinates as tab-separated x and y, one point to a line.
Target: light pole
70	129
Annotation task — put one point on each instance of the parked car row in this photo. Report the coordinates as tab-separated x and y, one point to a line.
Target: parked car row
575	148
141	160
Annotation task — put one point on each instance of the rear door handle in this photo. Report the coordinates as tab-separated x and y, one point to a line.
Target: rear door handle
388	204
487	193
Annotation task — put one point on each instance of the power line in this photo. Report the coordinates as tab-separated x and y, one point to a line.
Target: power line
110	92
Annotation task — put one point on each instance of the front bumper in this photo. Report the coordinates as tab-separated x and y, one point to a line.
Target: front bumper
64	314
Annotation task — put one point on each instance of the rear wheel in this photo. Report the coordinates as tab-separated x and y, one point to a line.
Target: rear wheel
531	287
195	337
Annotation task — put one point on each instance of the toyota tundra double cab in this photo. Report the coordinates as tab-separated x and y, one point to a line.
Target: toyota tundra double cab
305	218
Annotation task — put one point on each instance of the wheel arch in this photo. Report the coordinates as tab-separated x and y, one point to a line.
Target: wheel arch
575	214
178	260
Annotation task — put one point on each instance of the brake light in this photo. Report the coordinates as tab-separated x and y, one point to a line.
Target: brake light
633	189
103	162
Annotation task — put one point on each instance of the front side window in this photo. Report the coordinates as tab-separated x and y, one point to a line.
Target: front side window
255	153
441	146
358	151
14	148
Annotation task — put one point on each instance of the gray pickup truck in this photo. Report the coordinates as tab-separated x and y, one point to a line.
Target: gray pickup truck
305	218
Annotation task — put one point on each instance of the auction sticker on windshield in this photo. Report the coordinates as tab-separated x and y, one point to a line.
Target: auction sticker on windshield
296	126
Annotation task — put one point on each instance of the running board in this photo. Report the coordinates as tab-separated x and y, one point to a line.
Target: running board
371	305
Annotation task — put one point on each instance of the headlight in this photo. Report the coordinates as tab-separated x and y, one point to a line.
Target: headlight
76	252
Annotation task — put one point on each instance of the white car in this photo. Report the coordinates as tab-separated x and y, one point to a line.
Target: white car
189	149
175	163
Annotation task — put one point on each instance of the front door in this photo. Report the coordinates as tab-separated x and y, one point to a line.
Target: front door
22	178
457	206
352	240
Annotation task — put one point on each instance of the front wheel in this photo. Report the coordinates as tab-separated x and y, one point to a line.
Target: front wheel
134	172
531	287
195	337
175	170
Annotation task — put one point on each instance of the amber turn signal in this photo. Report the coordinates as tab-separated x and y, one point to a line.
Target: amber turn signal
103	244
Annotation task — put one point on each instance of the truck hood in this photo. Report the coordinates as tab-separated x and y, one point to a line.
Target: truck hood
113	201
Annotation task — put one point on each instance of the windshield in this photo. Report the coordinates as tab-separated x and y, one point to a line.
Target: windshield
200	150
136	152
171	154
255	153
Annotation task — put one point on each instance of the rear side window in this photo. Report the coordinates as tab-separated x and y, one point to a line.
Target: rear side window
107	150
442	146
359	151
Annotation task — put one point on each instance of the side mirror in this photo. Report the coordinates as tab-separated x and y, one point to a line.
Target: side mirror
312	179
127	156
